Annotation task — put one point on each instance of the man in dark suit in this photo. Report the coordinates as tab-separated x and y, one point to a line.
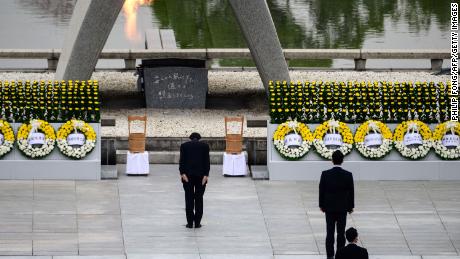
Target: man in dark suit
336	198
352	251
194	172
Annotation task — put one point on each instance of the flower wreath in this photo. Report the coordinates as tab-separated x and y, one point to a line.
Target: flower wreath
76	126
446	153
376	127
25	132
333	126
412	126
8	138
298	128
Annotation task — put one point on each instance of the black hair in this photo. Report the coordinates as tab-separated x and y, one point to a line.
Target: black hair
351	234
195	135
337	157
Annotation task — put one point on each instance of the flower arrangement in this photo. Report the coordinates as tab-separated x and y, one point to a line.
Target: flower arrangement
52	101
7	138
26	135
295	127
357	102
84	133
413	139
373	139
332	127
451	130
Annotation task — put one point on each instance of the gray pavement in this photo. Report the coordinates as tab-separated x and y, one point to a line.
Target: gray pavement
143	217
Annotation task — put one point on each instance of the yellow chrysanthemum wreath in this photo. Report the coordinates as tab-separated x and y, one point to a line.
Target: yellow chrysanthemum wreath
71	127
332	126
39	126
413	126
453	128
289	127
379	130
7	142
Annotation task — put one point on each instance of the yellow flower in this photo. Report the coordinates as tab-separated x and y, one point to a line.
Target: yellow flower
6	130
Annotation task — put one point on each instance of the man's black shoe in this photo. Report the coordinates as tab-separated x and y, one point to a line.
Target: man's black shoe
189	226
198	226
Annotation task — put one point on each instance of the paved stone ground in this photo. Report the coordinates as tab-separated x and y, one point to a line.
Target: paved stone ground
143	217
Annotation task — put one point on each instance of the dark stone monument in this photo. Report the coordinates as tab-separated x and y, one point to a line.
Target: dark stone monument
174	83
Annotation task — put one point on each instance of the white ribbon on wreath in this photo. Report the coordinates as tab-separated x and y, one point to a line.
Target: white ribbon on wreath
293	125
333	124
77	124
35	125
449	126
374	127
412	127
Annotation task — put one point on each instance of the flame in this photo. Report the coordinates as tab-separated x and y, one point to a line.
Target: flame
130	11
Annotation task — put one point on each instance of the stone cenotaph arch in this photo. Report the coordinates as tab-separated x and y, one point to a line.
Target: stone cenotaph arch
92	22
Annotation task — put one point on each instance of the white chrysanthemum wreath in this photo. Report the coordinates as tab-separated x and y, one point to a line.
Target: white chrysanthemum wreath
79	129
29	131
413	127
372	133
7	138
441	133
332	127
295	127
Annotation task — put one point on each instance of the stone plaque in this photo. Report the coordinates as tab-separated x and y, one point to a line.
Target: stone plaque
175	87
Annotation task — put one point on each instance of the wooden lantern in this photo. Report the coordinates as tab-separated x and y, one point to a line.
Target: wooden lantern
234	135
136	141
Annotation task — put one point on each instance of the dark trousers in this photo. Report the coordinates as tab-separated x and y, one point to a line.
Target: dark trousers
332	219
194	191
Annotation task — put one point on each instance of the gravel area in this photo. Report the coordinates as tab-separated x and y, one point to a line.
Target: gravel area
235	82
179	123
210	122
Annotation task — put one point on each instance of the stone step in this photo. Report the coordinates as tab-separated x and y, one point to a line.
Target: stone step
109	172
153	39
259	172
242	256
170	143
168	39
171	157
255	147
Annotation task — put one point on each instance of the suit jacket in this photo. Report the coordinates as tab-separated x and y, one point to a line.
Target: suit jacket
336	190
194	158
352	251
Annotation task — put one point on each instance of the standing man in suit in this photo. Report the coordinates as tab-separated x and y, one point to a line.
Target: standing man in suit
194	172
352	251
336	198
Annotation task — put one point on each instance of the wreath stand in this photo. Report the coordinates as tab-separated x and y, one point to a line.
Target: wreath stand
391	167
234	161
137	160
55	166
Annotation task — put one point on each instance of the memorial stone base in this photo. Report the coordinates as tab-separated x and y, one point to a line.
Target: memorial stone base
392	167
55	166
